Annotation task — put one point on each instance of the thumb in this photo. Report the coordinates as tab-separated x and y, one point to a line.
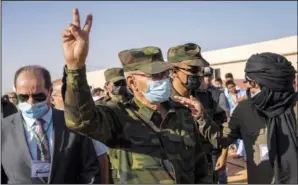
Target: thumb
217	166
75	32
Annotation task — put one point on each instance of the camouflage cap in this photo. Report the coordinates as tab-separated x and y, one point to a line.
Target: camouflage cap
148	59
189	54
114	74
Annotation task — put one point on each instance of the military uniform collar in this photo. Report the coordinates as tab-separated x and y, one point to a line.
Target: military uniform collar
149	113
142	109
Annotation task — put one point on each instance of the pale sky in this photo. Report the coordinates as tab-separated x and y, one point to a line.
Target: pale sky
31	31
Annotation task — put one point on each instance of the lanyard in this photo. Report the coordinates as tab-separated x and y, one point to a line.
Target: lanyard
39	140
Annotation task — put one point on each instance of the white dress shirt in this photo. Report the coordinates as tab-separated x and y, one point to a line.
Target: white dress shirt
31	140
100	148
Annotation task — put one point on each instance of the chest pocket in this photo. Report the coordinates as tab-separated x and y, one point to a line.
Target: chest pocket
179	141
143	150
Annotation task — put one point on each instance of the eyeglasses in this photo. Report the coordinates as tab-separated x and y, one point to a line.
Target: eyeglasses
192	70
120	83
39	97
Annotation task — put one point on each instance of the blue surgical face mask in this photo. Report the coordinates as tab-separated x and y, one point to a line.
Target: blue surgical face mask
158	91
34	111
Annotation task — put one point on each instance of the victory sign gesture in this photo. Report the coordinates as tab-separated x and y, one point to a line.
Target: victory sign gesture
76	41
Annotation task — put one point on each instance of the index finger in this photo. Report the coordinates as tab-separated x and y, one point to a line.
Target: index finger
88	23
76	18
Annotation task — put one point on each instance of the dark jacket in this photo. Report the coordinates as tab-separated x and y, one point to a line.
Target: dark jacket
7	108
74	159
247	124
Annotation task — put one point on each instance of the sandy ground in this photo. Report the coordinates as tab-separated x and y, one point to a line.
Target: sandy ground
236	169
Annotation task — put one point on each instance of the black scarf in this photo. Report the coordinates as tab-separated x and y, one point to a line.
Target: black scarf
276	102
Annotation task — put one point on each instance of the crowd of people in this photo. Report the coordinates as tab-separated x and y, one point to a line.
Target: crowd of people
155	121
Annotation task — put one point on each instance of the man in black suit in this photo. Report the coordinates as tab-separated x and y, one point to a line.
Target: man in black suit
36	146
7	109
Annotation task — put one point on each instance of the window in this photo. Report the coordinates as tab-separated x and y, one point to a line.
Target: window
217	73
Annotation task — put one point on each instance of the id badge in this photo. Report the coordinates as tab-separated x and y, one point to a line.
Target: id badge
40	168
264	155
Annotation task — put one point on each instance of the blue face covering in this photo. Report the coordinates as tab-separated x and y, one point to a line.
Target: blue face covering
158	91
34	111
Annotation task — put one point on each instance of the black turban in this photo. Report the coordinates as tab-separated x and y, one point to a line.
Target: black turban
276	101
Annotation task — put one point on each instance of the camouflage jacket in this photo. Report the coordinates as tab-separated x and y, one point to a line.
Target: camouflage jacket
208	129
151	149
116	99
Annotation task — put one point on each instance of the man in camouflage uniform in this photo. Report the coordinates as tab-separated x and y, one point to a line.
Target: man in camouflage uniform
156	137
116	86
98	94
117	92
186	80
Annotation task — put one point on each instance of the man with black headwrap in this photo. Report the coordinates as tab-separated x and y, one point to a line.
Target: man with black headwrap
266	121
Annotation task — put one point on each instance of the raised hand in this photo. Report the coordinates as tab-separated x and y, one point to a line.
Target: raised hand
193	104
76	41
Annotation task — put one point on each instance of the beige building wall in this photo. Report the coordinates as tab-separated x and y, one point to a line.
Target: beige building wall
229	60
96	78
233	59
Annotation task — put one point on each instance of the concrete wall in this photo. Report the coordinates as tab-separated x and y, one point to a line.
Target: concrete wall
96	78
230	60
233	60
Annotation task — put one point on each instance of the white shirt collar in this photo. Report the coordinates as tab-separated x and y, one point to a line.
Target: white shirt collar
47	118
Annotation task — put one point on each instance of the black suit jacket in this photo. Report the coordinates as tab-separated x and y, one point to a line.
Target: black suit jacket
74	159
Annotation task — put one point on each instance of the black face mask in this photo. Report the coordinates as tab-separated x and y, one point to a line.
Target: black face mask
193	82
248	93
119	90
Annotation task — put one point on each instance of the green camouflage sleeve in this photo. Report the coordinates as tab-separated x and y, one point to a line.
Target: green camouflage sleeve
209	129
81	113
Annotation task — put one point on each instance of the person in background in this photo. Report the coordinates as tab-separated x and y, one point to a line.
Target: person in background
266	121
37	147
229	77
221	115
7	109
219	84
116	92
13	98
186	78
234	96
116	86
100	148
98	94
57	99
